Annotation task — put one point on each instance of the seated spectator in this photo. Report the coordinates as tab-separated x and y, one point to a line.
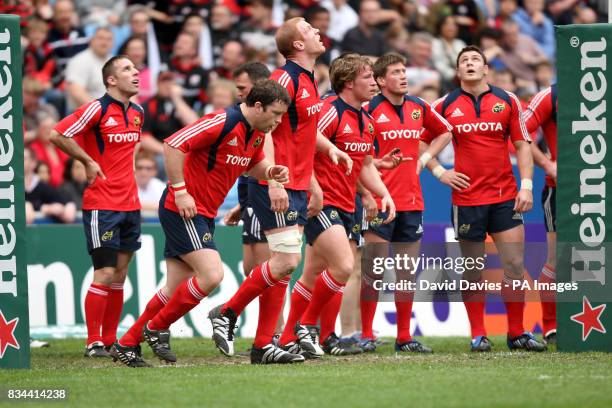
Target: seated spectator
37	54
445	49
34	109
584	15
257	33
342	18
42	197
420	72
467	15
222	94
544	75
398	40
66	39
490	44
521	54
83	79
189	73
429	94
48	153
504	79
196	26
365	38
165	114
507	8
75	182
222	29
535	24
150	188
231	58
43	172
99	13
136	49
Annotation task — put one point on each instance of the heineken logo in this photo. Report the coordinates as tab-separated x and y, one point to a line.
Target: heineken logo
589	126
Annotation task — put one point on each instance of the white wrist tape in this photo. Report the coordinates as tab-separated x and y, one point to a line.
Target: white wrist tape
526	184
179	193
425	158
438	171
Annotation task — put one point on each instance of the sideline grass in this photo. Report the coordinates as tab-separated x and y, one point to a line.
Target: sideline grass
203	378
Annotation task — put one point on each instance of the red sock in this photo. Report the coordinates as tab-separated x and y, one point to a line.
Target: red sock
514	299
300	298
133	336
325	288
403	307
368	310
329	315
474	302
549	305
112	314
254	285
95	305
270	307
187	296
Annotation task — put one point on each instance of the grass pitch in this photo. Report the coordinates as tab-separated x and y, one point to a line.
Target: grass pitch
203	378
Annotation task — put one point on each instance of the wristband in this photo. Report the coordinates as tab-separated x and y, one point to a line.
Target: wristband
425	158
438	171
267	172
526	184
178	193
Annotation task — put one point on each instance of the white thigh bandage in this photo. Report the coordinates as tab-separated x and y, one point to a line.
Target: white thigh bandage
288	241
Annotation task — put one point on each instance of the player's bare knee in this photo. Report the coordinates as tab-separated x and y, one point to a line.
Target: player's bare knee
514	267
212	279
343	272
104	276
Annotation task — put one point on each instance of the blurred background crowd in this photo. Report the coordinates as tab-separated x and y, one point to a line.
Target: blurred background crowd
188	50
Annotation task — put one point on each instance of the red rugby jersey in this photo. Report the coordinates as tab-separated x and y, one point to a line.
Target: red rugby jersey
219	147
481	127
295	137
401	127
542	112
108	133
352	131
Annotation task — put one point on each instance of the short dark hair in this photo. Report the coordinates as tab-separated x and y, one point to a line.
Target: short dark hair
266	92
382	63
313	11
109	67
254	69
471	48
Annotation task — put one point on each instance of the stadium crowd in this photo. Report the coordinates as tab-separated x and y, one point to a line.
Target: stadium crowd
187	52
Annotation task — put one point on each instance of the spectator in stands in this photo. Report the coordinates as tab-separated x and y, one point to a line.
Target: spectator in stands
319	18
222	94
150	188
165	113
258	32
66	39
47	152
37	54
42	197
544	75
189	73
535	24
410	18
490	39
445	49
504	79
99	13
34	109
521	54
342	18
398	39
196	26
43	172
365	38
222	29
75	182
561	10
584	15
136	49
231	58
467	16
83	79
507	8
420	72
429	94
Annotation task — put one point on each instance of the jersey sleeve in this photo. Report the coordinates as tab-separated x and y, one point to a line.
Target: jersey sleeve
538	111
81	120
518	130
434	123
328	120
198	135
282	77
429	133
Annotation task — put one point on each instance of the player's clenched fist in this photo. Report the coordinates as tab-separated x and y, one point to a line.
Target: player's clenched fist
279	200
279	173
523	201
186	206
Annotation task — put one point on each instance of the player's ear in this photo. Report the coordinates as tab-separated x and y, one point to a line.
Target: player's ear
485	70
259	108
298	45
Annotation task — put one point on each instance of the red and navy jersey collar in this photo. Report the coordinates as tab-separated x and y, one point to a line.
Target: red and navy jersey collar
106	100
399	109
294	69
235	116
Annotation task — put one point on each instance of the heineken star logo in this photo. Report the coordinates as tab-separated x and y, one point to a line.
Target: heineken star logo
590	318
7	334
